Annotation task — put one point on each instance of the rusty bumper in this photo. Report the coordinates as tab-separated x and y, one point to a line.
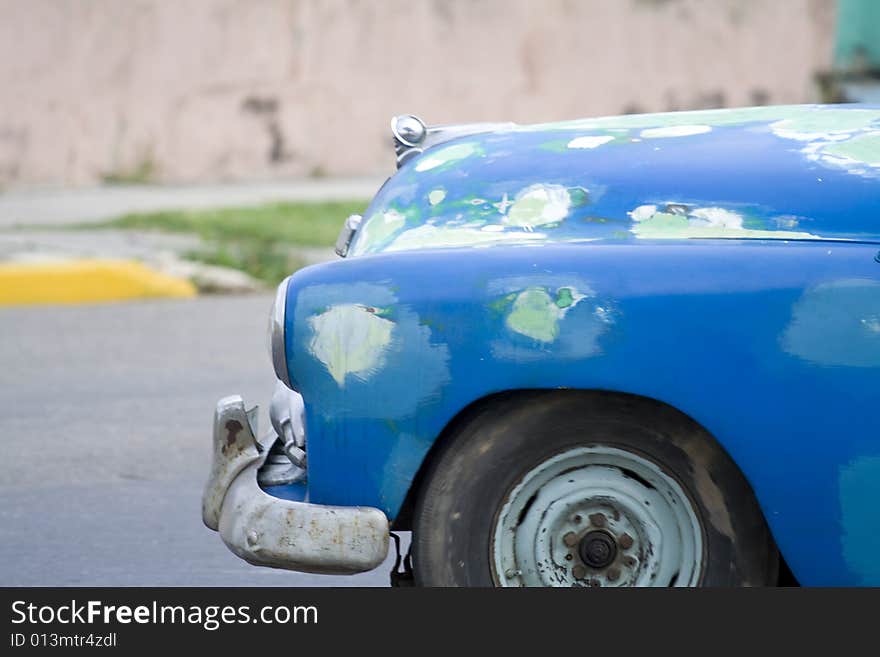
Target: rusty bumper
268	531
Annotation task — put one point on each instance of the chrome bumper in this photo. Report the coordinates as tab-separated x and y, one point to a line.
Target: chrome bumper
268	531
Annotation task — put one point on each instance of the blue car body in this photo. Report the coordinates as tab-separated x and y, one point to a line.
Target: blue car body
724	262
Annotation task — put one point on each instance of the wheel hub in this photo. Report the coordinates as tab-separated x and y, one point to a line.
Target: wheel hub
597	516
597	549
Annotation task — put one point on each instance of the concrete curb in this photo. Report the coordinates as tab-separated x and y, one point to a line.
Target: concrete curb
86	281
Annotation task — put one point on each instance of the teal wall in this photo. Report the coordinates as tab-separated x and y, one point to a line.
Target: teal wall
858	28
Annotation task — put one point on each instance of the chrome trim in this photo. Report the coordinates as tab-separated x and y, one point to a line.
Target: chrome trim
269	531
412	136
277	348
277	470
408	130
235	448
346	235
311	538
287	413
286	442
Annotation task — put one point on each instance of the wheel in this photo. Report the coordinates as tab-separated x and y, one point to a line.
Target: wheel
576	488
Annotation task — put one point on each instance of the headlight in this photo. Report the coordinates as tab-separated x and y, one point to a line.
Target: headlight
277	350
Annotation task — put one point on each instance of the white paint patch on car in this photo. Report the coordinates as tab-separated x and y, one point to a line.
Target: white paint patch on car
590	141
350	340
538	205
674	131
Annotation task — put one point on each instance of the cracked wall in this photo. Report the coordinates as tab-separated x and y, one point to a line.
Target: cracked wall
235	89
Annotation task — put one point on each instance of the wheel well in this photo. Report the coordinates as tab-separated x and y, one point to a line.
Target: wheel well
640	405
404	516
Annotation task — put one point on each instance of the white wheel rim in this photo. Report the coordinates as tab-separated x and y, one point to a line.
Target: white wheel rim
597	516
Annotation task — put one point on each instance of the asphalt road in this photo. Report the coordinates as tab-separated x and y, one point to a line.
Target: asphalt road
105	422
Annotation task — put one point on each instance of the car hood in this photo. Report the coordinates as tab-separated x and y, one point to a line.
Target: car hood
808	172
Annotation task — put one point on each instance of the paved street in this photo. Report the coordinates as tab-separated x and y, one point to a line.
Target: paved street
105	418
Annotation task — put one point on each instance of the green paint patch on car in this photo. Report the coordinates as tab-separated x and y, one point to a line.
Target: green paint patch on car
444	236
536	312
471	220
436	196
451	195
378	229
547	313
538	205
845	139
863	149
443	157
681	221
824	123
838	137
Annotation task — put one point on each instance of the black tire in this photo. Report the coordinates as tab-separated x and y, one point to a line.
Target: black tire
489	451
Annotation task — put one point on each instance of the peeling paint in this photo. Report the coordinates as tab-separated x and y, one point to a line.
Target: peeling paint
381	226
836	323
859	483
848	139
590	141
674	131
863	149
431	236
433	159
356	338
794	324
681	221
823	128
505	221
548	315
557	183
436	196
536	313
538	205
350	339
824	123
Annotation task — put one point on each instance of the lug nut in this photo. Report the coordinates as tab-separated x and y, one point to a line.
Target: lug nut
626	541
570	539
579	572
613	574
598	519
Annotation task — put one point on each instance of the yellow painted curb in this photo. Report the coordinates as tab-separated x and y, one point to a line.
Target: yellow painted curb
86	281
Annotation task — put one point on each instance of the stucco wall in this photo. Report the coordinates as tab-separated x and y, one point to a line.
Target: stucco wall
196	90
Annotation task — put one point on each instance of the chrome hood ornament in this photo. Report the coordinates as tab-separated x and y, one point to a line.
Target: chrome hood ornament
412	136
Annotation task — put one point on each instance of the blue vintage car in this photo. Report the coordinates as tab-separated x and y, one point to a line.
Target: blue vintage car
626	351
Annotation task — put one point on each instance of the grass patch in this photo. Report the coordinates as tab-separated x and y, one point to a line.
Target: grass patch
300	224
266	262
261	240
